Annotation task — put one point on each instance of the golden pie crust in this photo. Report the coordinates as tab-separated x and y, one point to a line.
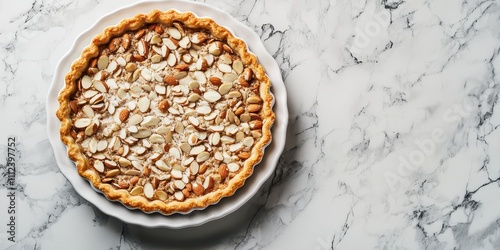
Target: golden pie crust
168	195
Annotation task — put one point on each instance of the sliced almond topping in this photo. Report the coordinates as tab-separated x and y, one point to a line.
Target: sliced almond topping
185	43
89	94
146	74
215	48
176	174
179	184
135	119
208	183
197	150
225	68
233	167
174	33
161	195
211	96
112	173
224	88
102	62
192	139
194	98
143	104
137	190
142	133
254	100
102	145
171	59
148	190
238	66
88	111
99	166
203	156
201	64
86	82
150	121
174	153
235	147
156	138
194	121
82	123
198	38
179	196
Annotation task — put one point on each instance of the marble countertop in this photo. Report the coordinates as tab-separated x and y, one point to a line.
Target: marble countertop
392	143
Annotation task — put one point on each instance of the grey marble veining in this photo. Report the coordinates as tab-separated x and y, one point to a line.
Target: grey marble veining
392	141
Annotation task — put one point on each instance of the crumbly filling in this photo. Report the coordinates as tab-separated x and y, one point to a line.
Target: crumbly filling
167	112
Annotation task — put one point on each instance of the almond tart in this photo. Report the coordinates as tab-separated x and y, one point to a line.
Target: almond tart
166	112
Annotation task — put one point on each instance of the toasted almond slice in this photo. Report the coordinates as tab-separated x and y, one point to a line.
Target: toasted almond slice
102	145
99	166
88	111
203	156
211	96
192	139
137	190
208	183
176	174
146	74
174	33
238	66
194	121
142	133
161	195
160	89
197	150
179	184
90	93
224	88
82	123
215	48
174	152
224	68
135	119
102	62
133	129
179	196
150	121
156	138
148	190
235	147
185	43
112	66
143	104
233	167
86	82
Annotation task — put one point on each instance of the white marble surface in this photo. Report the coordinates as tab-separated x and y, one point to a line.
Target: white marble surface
393	138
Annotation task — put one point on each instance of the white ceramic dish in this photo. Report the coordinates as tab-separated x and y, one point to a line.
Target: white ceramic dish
227	205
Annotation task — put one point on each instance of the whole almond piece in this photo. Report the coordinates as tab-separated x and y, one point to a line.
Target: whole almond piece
124	115
215	81
253	108
244	155
163	106
223	171
198	188
170	80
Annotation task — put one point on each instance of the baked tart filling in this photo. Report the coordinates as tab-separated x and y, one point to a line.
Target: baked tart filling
166	112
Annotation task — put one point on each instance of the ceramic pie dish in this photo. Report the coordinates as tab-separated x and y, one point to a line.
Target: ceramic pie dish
177	199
